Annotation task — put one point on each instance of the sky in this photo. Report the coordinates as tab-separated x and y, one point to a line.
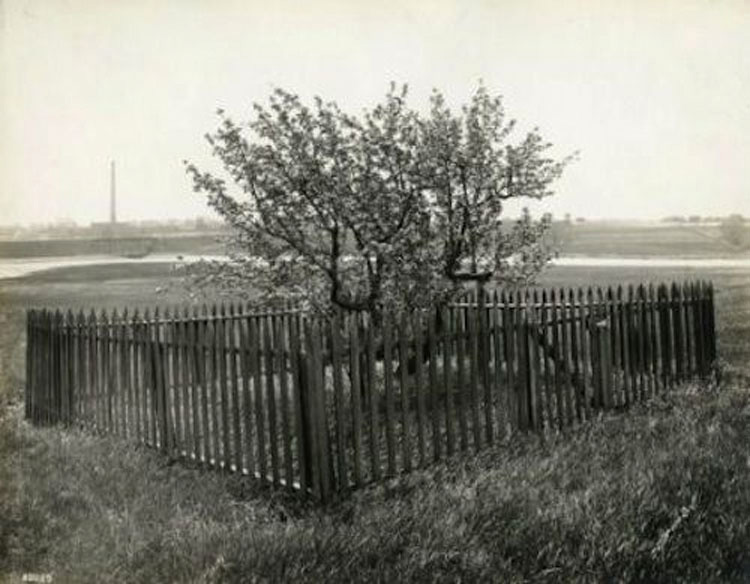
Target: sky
654	94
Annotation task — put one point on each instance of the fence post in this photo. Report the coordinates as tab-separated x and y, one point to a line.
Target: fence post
299	376
707	314
35	369
106	378
578	364
63	370
666	343
27	384
158	389
654	337
338	385
26	392
522	390
55	381
46	351
51	360
326	460
712	325
687	309
39	367
308	420
702	329
315	413
605	363
594	328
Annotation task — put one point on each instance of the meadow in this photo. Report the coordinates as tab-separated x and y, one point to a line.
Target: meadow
660	494
631	239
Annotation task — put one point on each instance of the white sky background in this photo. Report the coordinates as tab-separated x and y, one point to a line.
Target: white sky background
654	93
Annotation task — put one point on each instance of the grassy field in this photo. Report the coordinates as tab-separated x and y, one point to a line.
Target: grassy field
661	494
599	238
193	243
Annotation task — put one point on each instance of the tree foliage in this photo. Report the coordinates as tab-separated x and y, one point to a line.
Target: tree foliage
391	207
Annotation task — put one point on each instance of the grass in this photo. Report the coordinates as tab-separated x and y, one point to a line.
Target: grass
661	494
598	238
182	243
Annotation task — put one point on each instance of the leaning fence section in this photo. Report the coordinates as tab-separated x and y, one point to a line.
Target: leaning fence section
327	405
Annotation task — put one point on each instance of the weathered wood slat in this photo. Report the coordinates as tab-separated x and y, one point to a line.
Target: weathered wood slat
390	400
499	388
125	385
137	379
655	337
586	327
712	323
576	351
300	422
699	328
419	388
688	331
186	382
560	363
245	365
282	354
448	381
173	400
271	394
204	373
355	390
373	404
339	404
403	363
523	369
643	348
596	329
160	386
509	344
546	363
324	465
433	386
485	357
629	346
232	377
473	389
260	425
461	384
665	342
648	343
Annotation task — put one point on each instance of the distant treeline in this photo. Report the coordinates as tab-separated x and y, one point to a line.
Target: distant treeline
701	219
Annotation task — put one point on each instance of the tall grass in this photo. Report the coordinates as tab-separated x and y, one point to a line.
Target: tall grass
659	495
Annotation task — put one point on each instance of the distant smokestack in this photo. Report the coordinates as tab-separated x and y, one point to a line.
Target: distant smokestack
112	195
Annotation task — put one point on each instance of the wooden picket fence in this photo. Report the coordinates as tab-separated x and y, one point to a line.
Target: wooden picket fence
323	406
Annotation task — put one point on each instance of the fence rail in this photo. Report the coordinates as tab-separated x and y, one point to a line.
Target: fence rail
323	406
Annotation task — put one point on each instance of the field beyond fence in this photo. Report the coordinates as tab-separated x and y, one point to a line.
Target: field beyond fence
326	405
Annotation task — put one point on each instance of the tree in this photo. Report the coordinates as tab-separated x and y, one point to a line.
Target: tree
733	230
391	207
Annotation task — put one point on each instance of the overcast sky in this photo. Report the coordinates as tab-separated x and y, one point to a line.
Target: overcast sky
654	93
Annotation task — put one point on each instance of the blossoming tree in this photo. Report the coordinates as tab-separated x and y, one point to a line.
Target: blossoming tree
392	207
